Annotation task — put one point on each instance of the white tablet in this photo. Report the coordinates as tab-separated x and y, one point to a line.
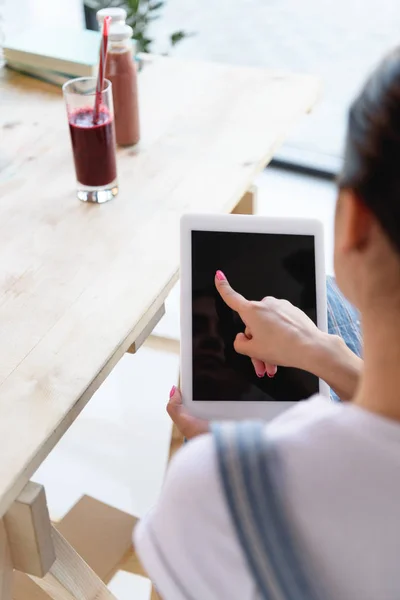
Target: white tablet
261	257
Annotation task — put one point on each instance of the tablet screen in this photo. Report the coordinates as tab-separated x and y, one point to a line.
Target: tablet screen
257	265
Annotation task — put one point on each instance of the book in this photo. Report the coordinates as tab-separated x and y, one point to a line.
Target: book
43	74
71	51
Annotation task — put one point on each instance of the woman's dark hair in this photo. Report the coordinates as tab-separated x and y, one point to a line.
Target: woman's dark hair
372	154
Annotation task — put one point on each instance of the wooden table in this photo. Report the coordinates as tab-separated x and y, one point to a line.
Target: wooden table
80	284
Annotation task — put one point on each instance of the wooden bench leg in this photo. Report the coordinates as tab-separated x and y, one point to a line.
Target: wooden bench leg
29	532
70	578
6	568
177	440
163	344
247	205
42	556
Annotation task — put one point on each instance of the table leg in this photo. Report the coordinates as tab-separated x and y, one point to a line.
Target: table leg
70	578
29	542
6	568
26	589
28	527
247	205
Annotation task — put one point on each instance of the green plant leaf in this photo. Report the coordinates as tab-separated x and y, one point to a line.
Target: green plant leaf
132	5
146	43
156	5
177	37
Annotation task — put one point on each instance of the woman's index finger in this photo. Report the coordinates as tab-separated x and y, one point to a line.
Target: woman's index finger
233	299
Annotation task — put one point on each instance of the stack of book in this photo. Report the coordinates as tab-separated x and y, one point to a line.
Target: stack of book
54	55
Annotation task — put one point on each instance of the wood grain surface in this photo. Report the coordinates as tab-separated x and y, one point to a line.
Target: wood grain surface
70	578
28	528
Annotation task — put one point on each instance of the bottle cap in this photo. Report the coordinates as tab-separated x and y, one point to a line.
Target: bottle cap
120	32
118	15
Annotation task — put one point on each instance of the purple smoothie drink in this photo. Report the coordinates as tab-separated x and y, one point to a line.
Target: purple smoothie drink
93	143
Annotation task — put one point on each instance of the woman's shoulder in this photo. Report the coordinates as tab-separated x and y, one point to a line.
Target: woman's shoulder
314	412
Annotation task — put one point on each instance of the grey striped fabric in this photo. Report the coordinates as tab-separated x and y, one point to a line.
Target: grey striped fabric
249	470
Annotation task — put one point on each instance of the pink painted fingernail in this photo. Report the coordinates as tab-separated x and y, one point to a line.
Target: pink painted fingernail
172	392
260	375
270	376
220	276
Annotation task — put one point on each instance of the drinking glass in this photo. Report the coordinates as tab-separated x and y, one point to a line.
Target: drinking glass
92	139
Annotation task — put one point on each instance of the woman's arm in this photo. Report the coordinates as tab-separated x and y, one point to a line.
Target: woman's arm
331	360
278	333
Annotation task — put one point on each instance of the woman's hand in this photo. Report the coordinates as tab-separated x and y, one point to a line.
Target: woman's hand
277	333
188	426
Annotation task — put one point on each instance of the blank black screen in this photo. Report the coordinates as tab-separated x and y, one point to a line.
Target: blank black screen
257	265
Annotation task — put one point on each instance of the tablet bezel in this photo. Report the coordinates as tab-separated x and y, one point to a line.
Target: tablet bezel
227	409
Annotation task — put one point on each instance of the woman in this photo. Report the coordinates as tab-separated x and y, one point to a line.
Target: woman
308	506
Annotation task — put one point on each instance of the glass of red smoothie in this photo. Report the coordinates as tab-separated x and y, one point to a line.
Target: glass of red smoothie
92	139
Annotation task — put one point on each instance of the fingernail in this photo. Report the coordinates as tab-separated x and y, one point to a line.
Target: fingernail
220	276
270	376
172	392
260	375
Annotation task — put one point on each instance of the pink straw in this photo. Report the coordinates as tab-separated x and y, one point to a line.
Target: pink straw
102	67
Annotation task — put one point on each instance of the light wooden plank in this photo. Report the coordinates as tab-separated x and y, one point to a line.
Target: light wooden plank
154	594
80	283
147	330
247	205
70	578
163	344
177	440
45	444
132	564
28	528
26	589
6	569
101	534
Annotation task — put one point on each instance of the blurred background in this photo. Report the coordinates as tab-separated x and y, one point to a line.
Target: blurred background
338	40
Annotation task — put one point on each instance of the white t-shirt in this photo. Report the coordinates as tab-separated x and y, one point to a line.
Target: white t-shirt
342	486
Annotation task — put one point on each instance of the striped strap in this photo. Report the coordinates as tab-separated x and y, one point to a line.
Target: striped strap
247	463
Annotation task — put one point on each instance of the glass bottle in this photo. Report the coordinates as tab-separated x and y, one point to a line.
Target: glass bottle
121	70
